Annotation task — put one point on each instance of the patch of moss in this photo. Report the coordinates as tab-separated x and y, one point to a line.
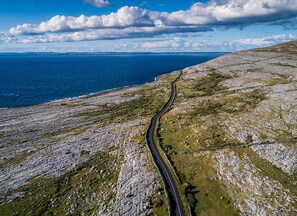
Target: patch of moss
205	194
67	131
229	103
209	85
16	160
271	171
285	48
55	133
208	107
85	152
159	203
147	104
2	135
284	65
214	136
75	192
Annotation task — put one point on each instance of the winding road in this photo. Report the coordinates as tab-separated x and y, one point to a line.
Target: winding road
176	205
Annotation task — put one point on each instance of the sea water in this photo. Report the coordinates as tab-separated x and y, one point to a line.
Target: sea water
34	78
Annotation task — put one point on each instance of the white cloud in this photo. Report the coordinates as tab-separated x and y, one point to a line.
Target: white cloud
231	12
266	41
130	22
177	44
185	45
124	17
182	45
106	34
99	3
5	38
199	14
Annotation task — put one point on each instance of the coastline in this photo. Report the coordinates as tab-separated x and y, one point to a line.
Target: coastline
99	93
45	93
86	96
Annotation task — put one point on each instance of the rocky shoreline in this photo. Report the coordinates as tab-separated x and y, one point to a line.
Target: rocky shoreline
50	140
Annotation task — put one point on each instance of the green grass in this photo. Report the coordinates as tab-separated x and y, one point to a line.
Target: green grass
159	202
55	133
207	194
166	148
67	132
16	160
201	124
204	193
209	85
147	104
74	190
230	102
149	101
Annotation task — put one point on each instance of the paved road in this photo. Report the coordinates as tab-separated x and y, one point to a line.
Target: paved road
176	205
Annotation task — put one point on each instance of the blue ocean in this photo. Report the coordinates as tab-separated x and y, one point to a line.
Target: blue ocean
31	78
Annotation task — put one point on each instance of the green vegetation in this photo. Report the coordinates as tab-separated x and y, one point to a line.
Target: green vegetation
85	153
67	132
209	85
167	159
159	202
284	48
270	170
146	104
2	135
204	193
284	65
141	103
55	133
229	103
76	192
205	109
17	159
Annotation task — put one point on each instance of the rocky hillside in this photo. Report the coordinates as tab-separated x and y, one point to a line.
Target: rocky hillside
82	156
230	137
232	133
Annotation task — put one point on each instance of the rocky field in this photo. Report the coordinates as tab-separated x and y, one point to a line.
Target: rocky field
230	137
232	133
83	156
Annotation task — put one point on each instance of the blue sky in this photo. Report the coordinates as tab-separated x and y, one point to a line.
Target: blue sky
145	26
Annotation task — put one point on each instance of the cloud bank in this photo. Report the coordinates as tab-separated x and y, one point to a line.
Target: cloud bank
134	22
184	44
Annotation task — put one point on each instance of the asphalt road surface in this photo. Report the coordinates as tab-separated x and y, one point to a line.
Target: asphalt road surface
176	205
